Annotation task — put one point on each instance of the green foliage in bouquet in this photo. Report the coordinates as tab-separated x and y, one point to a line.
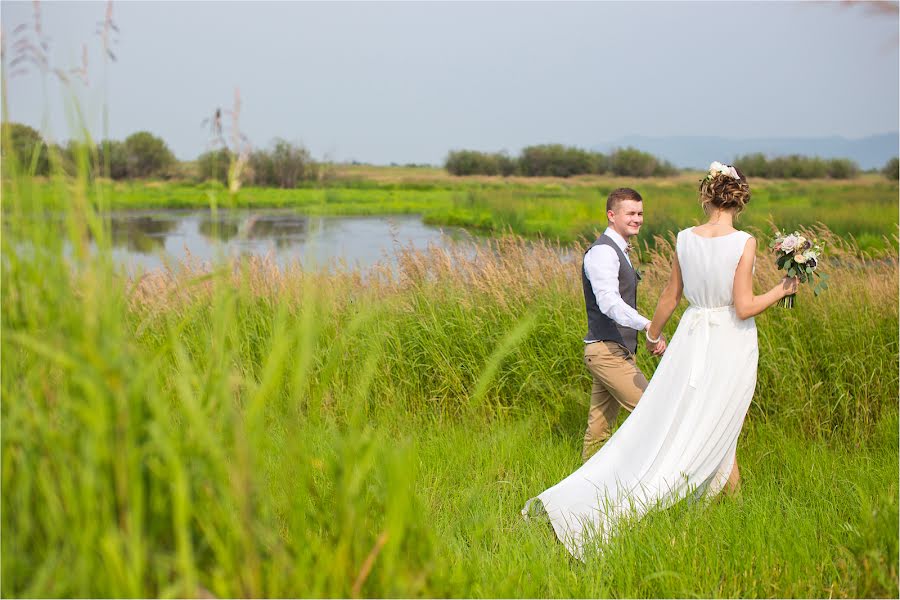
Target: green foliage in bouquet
799	256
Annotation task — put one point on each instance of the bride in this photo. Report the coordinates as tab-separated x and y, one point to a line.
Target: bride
680	440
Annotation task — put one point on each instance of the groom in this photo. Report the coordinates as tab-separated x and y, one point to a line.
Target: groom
609	282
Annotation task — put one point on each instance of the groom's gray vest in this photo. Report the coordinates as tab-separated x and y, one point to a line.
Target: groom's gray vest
601	327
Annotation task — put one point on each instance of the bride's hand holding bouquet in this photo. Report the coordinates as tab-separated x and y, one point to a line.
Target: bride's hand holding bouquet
799	256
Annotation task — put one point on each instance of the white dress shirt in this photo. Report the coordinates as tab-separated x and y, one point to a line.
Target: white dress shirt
601	265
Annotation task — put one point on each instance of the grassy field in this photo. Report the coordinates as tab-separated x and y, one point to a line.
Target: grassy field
257	432
556	209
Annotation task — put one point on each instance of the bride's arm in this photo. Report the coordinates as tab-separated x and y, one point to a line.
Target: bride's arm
668	300
747	305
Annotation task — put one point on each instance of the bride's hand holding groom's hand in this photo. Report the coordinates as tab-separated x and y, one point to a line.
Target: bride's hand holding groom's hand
656	348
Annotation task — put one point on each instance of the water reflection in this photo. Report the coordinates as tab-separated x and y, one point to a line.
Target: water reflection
151	239
143	234
283	229
218	229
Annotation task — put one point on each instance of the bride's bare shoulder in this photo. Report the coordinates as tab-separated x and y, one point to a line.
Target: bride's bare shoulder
749	243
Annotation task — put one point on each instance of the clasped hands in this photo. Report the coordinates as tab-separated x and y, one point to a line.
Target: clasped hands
655	348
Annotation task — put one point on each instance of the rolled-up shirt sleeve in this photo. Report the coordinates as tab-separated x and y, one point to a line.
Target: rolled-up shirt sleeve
601	265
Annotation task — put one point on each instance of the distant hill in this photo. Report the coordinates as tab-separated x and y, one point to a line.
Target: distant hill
697	152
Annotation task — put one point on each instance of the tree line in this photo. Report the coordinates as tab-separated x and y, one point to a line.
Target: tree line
143	155
556	160
283	164
796	166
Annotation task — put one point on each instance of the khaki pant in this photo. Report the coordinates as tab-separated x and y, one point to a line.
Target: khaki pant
617	382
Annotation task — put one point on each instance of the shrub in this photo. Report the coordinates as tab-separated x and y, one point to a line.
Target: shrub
507	165
842	168
291	164
114	153
284	165
26	146
602	163
213	165
753	165
664	168
146	155
556	160
471	162
632	162
892	169
74	157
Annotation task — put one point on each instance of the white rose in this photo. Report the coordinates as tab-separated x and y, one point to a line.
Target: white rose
800	241
732	172
789	243
715	168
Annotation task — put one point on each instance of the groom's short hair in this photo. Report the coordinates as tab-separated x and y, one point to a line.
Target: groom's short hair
618	195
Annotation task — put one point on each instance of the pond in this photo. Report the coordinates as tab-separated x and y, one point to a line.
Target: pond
149	239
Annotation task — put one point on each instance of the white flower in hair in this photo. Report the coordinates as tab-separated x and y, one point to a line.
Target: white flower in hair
717	168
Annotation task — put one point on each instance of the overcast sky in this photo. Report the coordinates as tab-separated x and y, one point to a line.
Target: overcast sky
406	82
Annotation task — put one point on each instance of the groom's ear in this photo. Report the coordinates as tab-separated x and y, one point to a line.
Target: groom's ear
610	215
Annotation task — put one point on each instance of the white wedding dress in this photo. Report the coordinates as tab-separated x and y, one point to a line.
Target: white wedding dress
680	440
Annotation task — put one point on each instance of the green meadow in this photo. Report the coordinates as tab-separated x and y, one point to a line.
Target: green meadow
264	432
566	210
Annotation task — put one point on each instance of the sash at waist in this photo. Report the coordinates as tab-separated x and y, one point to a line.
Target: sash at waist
703	318
710	308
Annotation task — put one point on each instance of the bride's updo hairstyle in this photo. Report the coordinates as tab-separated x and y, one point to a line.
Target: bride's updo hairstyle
724	187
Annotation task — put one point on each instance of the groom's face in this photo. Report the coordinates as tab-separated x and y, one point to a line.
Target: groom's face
627	217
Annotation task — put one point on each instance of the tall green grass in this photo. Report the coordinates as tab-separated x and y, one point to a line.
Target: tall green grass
249	431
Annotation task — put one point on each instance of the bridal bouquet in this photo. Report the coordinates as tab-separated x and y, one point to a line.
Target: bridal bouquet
800	257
